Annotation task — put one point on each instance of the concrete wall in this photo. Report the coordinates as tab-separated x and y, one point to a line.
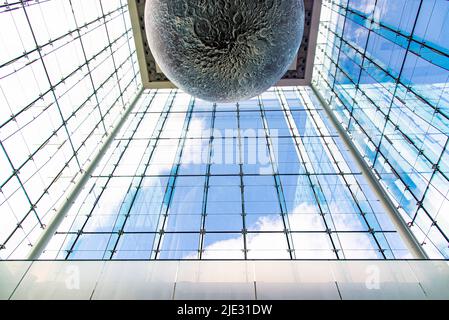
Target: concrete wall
235	280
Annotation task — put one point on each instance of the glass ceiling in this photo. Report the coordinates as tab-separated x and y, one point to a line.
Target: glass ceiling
383	67
268	178
67	73
185	179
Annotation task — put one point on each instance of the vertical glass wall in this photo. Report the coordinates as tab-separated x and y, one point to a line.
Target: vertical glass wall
68	70
383	68
267	178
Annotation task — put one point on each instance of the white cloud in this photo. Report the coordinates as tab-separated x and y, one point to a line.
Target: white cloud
274	246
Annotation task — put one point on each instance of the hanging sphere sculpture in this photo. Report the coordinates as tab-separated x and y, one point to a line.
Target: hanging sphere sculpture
224	50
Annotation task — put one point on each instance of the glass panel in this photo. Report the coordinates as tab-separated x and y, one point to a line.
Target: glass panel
383	68
68	71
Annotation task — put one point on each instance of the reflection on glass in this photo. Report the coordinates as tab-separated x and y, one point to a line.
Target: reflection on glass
383	67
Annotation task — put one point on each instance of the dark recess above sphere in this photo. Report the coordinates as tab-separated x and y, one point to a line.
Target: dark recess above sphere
299	73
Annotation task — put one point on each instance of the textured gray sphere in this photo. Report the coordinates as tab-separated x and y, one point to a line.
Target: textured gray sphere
224	50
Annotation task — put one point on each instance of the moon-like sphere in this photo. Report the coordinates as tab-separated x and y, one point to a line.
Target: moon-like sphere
224	50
